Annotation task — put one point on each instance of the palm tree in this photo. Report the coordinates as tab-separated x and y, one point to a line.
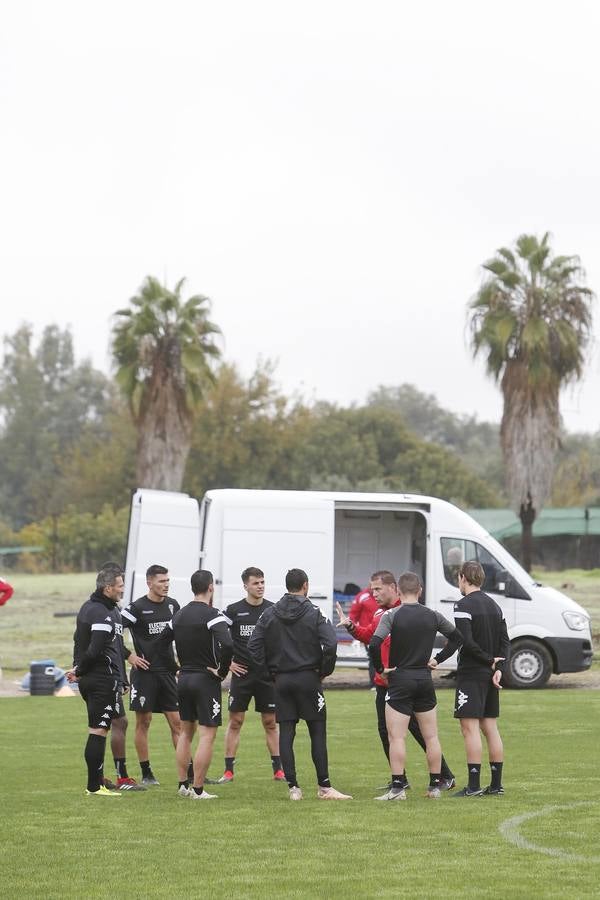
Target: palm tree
531	319
162	347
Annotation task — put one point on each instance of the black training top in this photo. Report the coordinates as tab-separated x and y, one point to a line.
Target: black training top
412	628
242	618
291	636
484	636
97	642
202	638
146	621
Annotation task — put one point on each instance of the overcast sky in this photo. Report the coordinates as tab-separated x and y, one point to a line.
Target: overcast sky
331	174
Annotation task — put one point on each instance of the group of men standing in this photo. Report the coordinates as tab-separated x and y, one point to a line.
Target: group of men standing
278	654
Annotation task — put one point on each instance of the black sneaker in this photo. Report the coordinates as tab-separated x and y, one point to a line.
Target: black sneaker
208	780
150	779
465	792
446	784
489	791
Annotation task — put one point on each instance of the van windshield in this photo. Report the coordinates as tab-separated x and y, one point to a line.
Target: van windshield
456	551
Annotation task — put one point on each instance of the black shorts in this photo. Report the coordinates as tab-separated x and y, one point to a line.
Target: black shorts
476	697
244	687
104	699
152	691
411	692
299	695
199	697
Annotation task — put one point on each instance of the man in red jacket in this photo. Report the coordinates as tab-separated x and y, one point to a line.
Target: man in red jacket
385	591
361	612
362	608
6	591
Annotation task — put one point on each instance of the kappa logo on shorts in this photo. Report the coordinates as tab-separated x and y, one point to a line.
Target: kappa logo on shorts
142	701
230	700
462	699
320	701
387	696
109	708
133	693
216	708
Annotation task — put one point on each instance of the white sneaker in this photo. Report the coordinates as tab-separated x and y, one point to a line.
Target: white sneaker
184	791
433	793
329	793
392	795
295	793
203	796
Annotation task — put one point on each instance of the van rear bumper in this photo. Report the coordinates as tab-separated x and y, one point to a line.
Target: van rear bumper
571	654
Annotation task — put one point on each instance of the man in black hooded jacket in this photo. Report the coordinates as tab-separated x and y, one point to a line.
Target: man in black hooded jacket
297	645
99	669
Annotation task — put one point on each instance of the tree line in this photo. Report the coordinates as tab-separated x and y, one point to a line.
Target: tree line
75	442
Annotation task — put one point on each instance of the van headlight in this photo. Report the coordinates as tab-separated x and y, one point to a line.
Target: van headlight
576	621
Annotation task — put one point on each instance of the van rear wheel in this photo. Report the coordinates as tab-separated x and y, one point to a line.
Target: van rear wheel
530	664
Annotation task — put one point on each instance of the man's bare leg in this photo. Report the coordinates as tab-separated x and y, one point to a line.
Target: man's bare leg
142	726
397	728
204	753
271	733
174	723
232	734
433	750
184	749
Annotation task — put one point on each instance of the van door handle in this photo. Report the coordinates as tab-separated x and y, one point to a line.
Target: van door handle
317	596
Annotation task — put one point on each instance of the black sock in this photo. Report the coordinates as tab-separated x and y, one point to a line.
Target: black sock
474	770
229	763
94	758
434	779
146	768
496	770
121	767
276	763
398	782
191	770
184	784
198	790
446	771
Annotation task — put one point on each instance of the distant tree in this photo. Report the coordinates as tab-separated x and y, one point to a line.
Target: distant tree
162	347
47	400
531	319
476	443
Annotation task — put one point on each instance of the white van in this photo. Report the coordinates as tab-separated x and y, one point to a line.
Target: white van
339	539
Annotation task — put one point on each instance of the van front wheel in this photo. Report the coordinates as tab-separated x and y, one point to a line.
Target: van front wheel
530	664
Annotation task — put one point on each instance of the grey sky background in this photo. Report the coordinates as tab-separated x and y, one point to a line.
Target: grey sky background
331	174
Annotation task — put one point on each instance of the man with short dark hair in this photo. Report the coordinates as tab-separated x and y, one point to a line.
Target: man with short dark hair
153	689
485	649
204	648
297	645
245	684
98	667
385	590
411	629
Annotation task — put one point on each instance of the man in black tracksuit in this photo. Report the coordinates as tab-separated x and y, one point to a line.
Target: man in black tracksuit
485	649
99	668
297	645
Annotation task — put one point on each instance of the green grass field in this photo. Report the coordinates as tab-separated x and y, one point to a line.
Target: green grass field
252	842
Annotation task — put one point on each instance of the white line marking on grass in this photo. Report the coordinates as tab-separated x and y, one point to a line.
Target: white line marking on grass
509	829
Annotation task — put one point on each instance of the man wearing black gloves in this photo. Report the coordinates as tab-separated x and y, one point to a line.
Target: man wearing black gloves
297	645
204	648
98	667
412	629
484	650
